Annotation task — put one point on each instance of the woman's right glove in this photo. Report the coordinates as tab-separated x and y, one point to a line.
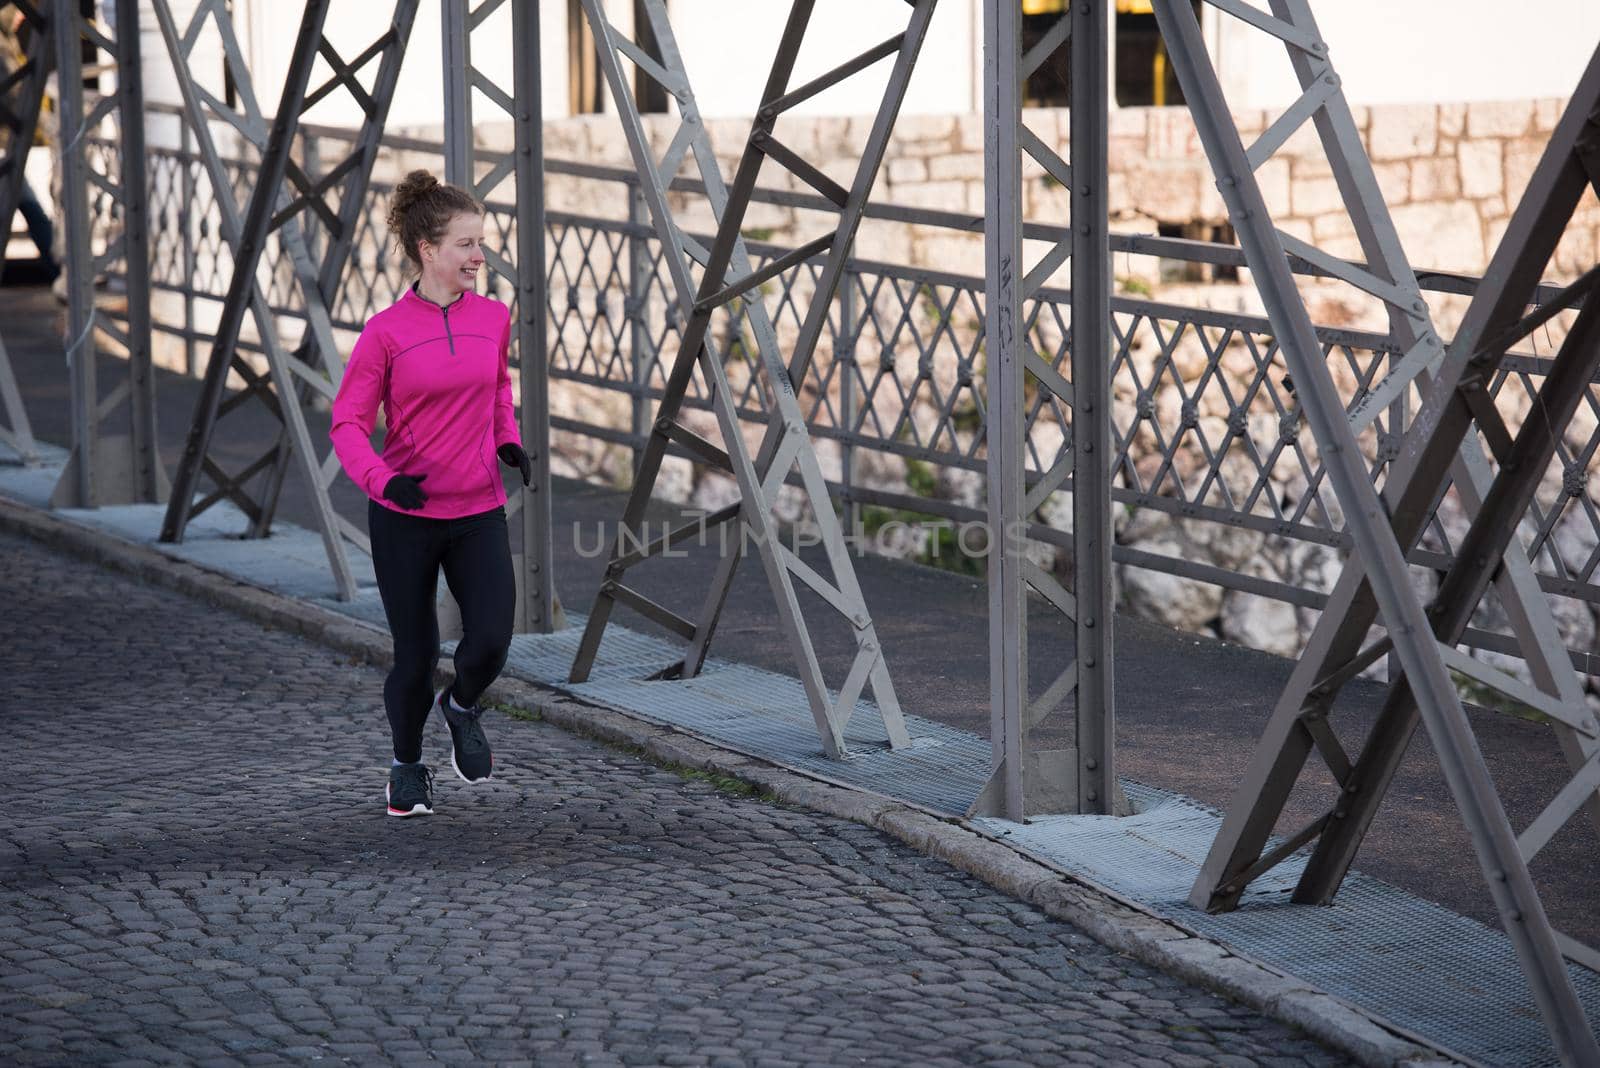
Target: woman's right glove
406	491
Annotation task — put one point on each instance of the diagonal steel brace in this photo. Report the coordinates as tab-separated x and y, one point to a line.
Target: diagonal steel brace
786	444
1382	574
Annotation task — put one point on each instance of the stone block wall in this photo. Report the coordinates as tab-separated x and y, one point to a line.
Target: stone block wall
1450	173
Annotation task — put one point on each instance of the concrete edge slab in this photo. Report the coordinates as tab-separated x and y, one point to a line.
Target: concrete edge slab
1147	938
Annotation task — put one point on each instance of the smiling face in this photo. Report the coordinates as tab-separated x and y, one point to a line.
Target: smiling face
450	267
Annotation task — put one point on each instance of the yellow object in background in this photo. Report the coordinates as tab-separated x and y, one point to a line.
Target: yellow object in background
1054	7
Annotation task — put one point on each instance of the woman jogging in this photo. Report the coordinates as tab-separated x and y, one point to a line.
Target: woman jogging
436	362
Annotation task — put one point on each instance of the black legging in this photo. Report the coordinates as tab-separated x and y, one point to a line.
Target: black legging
407	553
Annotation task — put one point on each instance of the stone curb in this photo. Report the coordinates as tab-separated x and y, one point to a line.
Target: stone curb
1141	935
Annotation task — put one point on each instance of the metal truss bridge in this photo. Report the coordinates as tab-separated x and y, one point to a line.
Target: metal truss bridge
742	356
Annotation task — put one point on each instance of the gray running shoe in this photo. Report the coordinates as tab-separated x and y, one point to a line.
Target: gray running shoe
469	747
410	791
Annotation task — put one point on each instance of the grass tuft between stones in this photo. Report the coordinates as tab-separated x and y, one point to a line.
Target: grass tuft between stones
720	781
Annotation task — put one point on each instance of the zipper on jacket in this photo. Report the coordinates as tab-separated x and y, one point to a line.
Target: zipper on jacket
448	337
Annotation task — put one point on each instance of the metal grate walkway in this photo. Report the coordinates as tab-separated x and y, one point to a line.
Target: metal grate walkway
1418	965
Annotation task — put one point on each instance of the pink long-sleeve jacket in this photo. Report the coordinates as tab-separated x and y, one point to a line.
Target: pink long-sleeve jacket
440	375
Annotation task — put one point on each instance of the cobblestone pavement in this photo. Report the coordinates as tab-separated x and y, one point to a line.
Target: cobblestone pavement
196	867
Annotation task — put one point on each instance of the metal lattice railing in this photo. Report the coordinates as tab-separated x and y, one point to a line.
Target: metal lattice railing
1206	426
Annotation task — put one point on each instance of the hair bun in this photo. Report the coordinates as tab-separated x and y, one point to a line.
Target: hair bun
412	188
420	209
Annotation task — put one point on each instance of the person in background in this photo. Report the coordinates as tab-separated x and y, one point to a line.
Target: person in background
40	229
436	363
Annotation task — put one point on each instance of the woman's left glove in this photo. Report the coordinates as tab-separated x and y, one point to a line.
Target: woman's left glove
511	455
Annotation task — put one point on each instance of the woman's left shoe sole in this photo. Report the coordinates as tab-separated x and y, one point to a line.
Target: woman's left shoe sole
457	769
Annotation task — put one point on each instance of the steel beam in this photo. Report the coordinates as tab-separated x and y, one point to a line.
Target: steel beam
1025	780
1092	348
320	252
726	272
1379	573
524	267
106	469
1009	783
149	474
852	203
78	486
1454	407
317	366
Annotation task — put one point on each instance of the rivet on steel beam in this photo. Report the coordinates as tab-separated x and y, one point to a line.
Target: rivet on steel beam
1093	795
1089	622
663	424
1088	661
1092	764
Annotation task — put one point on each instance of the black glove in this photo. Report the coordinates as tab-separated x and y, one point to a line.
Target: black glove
511	455
406	491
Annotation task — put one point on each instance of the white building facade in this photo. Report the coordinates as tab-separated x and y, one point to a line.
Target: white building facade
1387	51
